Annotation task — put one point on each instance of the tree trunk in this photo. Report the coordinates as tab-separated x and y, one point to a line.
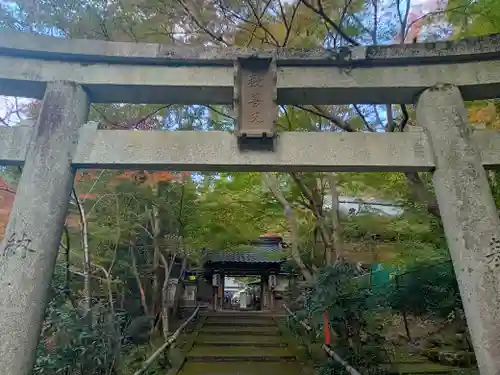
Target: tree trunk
272	183
135	271
87	315
164	293
314	195
180	287
422	194
336	238
113	324
156	232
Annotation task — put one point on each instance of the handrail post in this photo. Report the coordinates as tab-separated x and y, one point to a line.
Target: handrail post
326	328
326	347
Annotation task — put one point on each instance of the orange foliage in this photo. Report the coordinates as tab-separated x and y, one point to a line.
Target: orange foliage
271	235
420	14
415	22
151	178
127	175
7	196
484	115
85	176
88	196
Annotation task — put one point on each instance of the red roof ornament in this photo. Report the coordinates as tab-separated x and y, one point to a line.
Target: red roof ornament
271	235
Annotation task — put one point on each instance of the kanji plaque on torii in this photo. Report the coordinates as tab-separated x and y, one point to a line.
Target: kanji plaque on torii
255	97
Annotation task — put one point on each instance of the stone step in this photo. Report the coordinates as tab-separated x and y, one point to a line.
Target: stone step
230	330
242	343
239	314
417	368
240	322
238	353
238	340
243	368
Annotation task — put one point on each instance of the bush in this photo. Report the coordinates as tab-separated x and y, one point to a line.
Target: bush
353	307
69	345
426	289
341	291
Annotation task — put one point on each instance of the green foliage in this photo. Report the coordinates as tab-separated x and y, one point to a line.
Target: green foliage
68	343
340	291
233	210
474	18
395	240
136	355
10	175
426	289
412	226
355	308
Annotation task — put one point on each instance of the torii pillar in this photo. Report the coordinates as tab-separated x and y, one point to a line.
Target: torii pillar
29	249
470	218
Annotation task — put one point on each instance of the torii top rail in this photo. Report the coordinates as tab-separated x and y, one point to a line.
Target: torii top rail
113	72
125	72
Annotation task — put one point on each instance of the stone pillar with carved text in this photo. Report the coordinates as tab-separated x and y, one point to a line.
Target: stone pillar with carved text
469	215
29	250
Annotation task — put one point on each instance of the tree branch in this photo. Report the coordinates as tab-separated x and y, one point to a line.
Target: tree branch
363	118
7	190
321	12
421	193
198	23
258	18
321	112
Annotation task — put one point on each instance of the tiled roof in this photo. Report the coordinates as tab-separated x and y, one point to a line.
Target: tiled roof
264	250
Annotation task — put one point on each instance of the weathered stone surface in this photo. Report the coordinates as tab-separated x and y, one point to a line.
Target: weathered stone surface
30	246
129	83
27	45
470	218
14	143
217	151
255	97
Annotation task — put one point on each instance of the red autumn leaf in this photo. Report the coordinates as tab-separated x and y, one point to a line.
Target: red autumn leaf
88	196
127	175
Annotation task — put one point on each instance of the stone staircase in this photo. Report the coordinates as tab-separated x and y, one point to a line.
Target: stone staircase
240	343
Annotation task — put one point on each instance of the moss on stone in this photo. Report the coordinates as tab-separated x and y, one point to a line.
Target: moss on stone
419	368
237	351
241	368
238	338
240	330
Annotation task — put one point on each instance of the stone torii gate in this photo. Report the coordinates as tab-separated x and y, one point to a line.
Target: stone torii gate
69	74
